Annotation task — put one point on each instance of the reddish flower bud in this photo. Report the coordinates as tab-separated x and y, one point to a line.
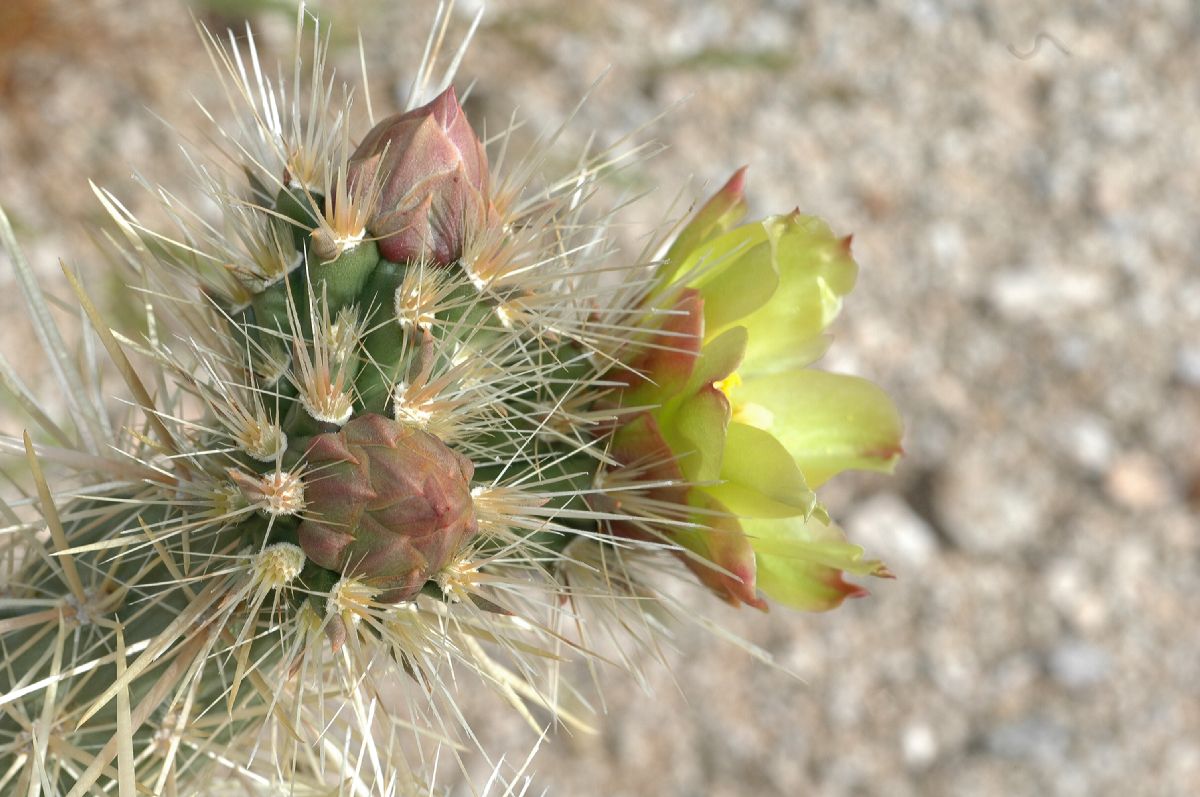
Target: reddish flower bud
387	503
433	177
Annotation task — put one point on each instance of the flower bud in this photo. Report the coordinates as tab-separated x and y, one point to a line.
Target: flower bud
387	503
433	178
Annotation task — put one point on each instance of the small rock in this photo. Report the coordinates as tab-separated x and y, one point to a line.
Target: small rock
919	745
889	528
1073	592
995	499
1030	738
1187	366
1089	443
1077	664
947	242
1138	481
1026	294
1075	352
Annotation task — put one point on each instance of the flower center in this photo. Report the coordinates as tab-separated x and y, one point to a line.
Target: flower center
746	412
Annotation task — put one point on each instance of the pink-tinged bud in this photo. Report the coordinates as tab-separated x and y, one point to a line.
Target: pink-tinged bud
433	177
387	503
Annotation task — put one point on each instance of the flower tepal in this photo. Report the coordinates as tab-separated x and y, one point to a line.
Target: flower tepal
738	419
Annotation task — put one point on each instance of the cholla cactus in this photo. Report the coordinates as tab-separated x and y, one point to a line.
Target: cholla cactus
399	413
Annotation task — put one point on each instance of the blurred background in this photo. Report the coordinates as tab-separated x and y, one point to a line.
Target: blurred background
1020	180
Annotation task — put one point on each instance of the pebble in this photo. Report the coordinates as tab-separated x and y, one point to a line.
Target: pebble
1089	443
1022	295
1072	591
888	528
1187	365
995	499
1076	664
919	745
1138	481
1029	738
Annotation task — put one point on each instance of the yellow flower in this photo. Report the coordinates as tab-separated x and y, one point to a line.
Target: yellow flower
749	428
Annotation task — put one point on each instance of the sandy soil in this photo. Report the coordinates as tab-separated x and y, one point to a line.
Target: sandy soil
1029	294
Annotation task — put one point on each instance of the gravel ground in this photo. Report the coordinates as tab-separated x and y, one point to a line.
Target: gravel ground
1029	294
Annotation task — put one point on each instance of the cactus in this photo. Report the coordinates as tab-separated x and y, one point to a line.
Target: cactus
400	414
